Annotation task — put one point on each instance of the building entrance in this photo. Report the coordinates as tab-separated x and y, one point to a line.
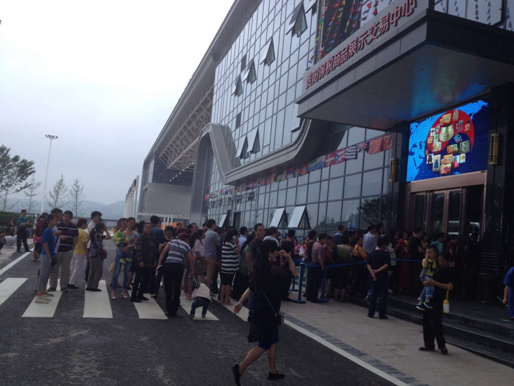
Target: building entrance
453	211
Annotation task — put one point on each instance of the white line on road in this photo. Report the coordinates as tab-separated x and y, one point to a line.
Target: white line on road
343	353
149	309
13	263
9	286
243	314
36	310
186	306
97	304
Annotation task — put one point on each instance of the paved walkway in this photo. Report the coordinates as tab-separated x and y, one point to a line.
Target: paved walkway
392	346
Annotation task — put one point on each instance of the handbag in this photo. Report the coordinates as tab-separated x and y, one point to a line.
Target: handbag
446	303
279	318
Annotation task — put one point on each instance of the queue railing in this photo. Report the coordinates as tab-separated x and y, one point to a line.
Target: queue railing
324	298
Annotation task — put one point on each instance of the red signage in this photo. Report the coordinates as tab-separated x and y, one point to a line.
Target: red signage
378	29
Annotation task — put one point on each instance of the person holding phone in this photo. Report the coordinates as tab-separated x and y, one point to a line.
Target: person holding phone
266	285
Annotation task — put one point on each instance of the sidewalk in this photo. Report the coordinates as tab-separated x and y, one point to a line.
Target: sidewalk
392	346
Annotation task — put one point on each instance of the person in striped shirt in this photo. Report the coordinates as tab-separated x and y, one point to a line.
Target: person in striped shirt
174	256
230	251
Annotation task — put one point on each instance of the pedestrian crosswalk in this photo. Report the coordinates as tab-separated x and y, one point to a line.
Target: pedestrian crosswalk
98	305
37	310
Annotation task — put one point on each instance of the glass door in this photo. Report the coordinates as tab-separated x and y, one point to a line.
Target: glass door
454	211
437	211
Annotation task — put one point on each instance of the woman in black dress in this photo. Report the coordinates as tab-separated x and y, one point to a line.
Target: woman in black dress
433	318
266	285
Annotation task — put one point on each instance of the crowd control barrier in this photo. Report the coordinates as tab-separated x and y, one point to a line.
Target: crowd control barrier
324	283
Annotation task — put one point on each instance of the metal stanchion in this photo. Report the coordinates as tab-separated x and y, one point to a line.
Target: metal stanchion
324	286
300	284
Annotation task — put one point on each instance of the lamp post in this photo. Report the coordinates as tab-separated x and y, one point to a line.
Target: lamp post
51	137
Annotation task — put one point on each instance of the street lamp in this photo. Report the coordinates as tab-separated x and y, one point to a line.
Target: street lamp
51	137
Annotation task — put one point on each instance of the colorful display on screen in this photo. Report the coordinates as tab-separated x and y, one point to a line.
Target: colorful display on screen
451	143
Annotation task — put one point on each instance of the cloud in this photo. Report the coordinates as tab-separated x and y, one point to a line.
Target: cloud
102	75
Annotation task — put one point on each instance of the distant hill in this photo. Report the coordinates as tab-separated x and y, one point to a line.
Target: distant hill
111	212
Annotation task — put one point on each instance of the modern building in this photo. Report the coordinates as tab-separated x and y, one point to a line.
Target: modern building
307	114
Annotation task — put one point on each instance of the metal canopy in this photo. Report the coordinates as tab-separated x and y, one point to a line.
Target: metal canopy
180	151
440	62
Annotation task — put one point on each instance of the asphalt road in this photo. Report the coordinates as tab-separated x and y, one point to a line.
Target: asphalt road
68	349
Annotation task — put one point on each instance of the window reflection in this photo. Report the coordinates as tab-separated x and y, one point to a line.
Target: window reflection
370	211
352	187
313	195
350	217
333	215
372	183
335	191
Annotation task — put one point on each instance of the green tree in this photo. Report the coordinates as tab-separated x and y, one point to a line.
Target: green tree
58	194
4	203
76	197
30	192
14	172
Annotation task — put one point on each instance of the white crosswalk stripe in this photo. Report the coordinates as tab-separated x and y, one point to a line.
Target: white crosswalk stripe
36	310
186	306
9	286
149	309
97	304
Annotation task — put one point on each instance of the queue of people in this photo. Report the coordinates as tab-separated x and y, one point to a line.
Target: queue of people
255	265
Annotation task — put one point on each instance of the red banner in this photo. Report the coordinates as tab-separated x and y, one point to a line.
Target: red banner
387	142
375	145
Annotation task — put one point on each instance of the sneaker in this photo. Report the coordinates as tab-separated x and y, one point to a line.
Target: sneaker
154	296
144	298
41	300
420	307
275	377
383	317
188	296
113	295
46	297
72	286
52	289
192	316
64	289
135	300
444	351
428	305
237	376
122	261
425	349
48	294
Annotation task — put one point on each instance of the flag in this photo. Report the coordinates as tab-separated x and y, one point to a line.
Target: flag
339	156
279	177
388	142
362	146
330	159
266	180
350	152
316	164
375	145
292	172
206	197
304	169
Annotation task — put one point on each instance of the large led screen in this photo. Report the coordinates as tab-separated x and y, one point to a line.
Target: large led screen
451	143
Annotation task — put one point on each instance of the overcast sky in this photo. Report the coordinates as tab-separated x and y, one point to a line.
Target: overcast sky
102	75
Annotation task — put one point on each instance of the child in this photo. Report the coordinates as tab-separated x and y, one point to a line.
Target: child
429	264
121	241
508	294
201	296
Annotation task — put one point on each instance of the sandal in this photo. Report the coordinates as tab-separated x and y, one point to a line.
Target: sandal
124	294
113	295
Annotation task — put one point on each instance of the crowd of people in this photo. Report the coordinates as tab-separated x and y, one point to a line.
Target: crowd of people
255	265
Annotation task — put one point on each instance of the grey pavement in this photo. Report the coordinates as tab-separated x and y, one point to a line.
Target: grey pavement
68	349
